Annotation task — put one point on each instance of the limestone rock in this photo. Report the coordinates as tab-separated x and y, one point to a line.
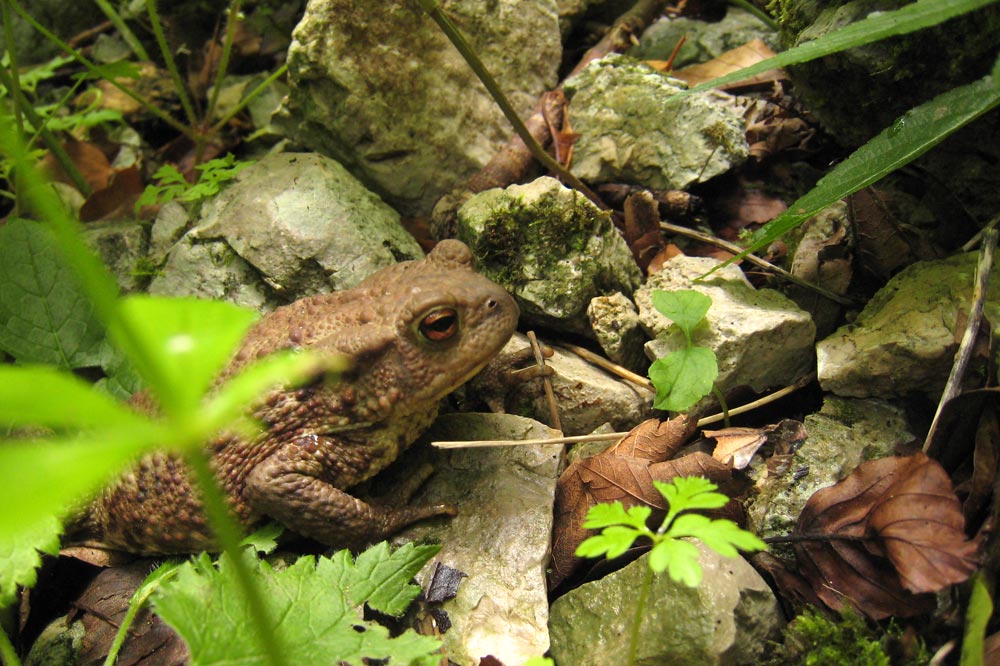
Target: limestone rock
298	223
727	620
760	338
703	40
211	270
122	246
586	396
615	322
842	435
499	539
550	247
905	338
632	131
385	93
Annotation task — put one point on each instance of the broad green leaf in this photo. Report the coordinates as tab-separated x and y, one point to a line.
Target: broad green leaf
93	276
312	619
382	578
179	345
20	556
683	378
43	479
41	395
691	492
280	369
684	307
45	316
913	134
611	542
679	559
877	26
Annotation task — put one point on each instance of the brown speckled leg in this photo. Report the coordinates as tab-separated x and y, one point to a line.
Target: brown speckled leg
298	486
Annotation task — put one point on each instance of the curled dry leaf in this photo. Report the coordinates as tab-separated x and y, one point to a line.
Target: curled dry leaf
900	536
623	473
736	446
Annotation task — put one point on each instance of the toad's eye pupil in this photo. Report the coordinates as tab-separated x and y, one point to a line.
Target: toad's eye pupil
439	325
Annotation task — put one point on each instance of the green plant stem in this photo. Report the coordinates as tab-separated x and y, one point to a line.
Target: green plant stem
9	81
722	403
227	47
8	655
8	33
228	536
168	59
250	96
116	20
640	606
433	9
96	71
756	11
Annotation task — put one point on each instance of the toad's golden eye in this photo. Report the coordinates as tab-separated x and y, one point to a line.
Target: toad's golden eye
439	325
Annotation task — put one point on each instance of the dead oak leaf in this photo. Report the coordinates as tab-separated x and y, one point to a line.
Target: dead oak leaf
624	473
900	534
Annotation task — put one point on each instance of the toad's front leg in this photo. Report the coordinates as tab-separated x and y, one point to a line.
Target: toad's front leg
299	485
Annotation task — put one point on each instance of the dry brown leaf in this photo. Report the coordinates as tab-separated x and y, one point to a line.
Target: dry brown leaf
623	473
116	200
88	159
900	535
642	227
748	54
736	446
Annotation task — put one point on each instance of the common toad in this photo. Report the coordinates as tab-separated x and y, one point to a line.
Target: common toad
414	332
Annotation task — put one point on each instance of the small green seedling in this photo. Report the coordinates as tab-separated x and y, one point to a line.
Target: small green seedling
687	375
620	528
171	183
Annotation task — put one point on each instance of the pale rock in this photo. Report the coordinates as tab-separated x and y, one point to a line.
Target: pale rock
384	92
632	131
550	247
761	339
615	323
499	539
904	340
727	620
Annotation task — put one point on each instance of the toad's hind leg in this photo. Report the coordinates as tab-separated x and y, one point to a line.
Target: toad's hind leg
298	486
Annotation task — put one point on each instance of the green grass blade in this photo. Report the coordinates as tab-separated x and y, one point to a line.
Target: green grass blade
913	134
877	26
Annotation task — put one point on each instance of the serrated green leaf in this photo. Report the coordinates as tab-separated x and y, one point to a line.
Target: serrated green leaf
679	559
312	619
44	315
264	539
179	345
684	307
602	515
878	25
909	137
20	555
691	492
41	395
382	578
611	542
683	378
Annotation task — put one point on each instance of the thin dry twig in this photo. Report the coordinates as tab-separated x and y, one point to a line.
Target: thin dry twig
953	386
599	437
550	397
610	366
753	259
